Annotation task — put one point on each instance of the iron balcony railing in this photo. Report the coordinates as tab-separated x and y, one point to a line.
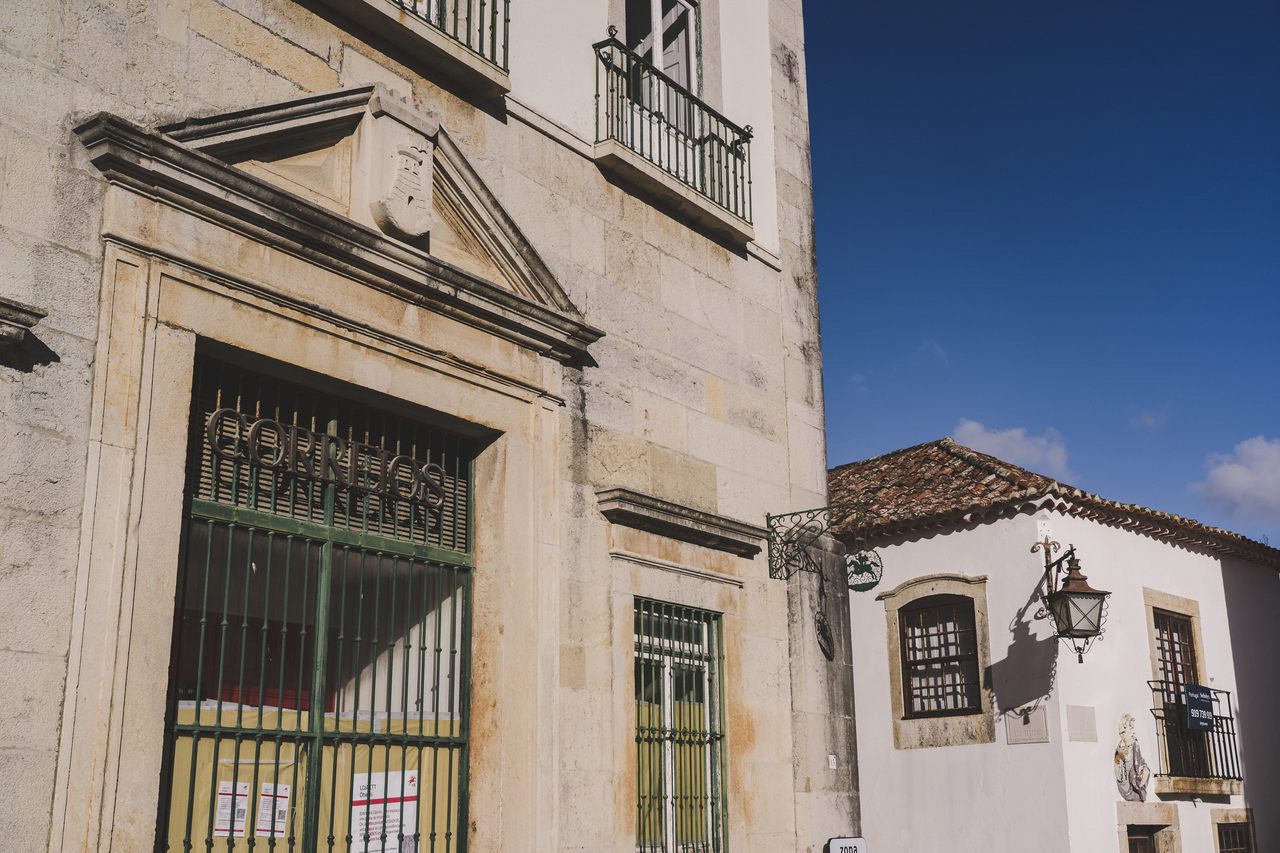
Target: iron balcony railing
481	26
1185	752
643	109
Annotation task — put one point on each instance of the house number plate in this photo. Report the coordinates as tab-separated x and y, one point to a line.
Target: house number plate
846	845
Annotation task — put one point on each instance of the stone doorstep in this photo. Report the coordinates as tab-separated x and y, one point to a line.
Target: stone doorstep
427	43
1205	787
615	159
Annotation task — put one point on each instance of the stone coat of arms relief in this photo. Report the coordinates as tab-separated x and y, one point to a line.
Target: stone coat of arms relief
402	205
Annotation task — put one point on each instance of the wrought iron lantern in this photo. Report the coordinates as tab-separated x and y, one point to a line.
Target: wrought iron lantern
1077	609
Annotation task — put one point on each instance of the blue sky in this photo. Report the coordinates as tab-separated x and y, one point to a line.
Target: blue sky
1053	229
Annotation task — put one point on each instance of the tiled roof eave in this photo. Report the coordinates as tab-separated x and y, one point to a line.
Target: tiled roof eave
1081	504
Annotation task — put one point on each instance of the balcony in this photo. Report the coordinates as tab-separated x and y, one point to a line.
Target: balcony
655	135
1193	761
465	40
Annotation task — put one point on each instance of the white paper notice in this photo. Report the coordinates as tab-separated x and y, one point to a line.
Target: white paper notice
233	810
384	803
273	811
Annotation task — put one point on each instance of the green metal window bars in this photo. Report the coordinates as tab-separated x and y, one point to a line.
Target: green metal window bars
646	111
680	761
319	683
481	26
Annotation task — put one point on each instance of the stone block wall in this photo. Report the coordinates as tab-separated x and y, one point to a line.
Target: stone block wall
706	389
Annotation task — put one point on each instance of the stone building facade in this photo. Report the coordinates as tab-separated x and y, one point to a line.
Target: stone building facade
494	332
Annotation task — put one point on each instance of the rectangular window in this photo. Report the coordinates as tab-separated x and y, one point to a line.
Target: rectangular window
1186	752
1235	838
679	729
672	52
1142	839
1176	647
939	657
319	677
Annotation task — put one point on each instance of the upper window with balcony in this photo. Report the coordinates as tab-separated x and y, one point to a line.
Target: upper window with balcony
653	129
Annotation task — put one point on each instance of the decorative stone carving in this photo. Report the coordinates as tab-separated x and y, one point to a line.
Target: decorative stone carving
403	206
15	319
1132	772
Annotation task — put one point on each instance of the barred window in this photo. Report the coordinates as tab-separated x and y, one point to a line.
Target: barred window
679	729
1235	838
319	678
939	657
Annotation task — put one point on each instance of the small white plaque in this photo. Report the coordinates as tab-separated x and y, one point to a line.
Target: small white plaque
846	845
1082	724
831	762
1028	726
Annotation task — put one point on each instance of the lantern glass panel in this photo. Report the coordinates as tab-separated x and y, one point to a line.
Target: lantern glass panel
1077	614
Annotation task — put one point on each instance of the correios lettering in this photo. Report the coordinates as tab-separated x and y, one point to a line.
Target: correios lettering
329	458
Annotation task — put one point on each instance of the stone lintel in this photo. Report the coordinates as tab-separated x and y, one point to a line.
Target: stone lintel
655	515
15	319
1184	785
428	44
615	159
160	167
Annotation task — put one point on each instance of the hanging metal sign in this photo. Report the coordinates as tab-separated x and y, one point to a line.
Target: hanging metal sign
328	458
865	570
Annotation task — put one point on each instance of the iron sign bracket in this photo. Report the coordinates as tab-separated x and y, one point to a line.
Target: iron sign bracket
791	534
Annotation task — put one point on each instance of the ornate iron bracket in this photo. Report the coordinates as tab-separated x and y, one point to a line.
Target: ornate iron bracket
791	535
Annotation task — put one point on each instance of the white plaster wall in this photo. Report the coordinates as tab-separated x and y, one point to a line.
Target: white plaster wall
1062	795
927	799
1114	676
1253	600
748	100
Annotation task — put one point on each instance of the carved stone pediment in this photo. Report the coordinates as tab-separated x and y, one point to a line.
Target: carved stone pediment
359	176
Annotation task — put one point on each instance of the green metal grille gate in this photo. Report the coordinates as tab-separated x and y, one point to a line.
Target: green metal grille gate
320	671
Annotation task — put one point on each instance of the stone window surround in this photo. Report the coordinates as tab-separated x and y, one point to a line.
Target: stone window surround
1168	839
1241	815
155	312
957	730
1153	600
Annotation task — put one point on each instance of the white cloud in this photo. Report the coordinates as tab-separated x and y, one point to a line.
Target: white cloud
1146	419
1044	454
934	350
1245	482
858	382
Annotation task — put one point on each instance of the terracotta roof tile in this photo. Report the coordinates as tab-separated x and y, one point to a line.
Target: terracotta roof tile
944	484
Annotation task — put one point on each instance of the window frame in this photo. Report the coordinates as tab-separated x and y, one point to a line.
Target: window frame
706	655
657	42
954	729
928	603
1245	826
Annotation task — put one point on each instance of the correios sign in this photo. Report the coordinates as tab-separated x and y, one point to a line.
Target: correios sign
268	443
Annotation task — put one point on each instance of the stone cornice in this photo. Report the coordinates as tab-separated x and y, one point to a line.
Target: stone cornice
15	319
160	167
655	515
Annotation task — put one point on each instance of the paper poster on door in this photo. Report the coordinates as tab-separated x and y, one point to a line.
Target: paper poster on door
384	806
233	810
273	811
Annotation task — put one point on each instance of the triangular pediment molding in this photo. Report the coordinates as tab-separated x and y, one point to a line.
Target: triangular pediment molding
361	181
